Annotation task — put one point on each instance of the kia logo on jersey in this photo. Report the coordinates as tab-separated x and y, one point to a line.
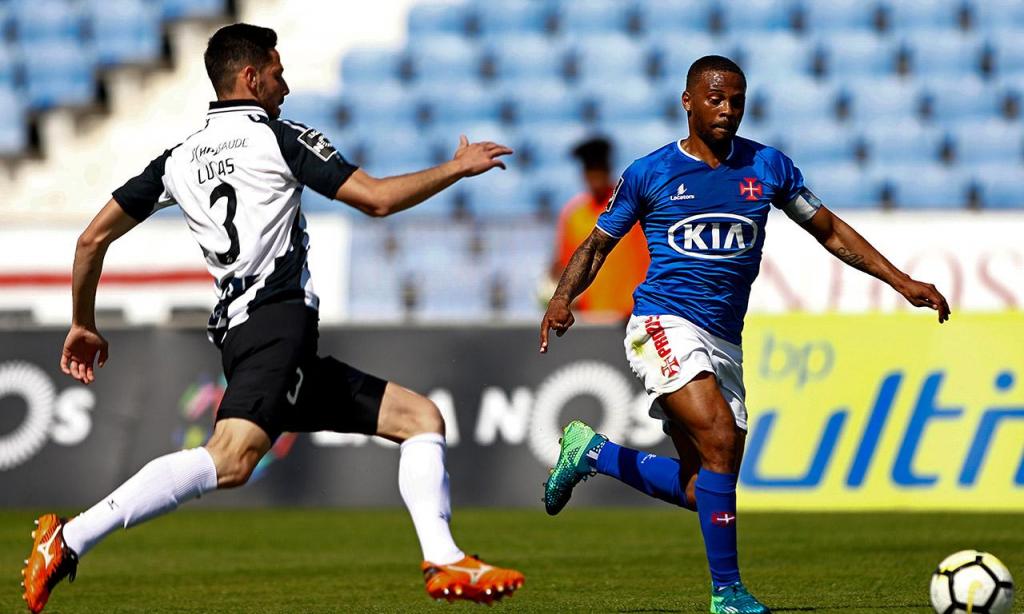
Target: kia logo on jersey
713	236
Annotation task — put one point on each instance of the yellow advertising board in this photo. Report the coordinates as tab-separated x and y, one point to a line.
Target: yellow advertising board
866	412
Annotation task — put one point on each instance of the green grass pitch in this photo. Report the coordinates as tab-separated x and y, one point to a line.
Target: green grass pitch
585	560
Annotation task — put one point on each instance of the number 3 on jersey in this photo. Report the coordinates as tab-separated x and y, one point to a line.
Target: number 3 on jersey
225	190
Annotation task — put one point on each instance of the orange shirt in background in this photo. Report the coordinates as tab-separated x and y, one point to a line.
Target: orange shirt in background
611	294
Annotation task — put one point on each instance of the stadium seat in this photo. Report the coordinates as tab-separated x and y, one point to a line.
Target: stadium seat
384	105
192	9
773	56
1007	52
8	66
627	100
989	15
802	100
896	143
444	58
58	75
834	15
542	102
317	110
453	293
926	186
509	17
607	59
394	152
498	194
36	21
370	65
549	144
554	185
999	186
948	101
446	18
842	186
986	142
124	31
594	17
910	15
754	17
672	59
888	99
524	56
945	53
13	131
674	20
822	142
851	54
635	140
446	103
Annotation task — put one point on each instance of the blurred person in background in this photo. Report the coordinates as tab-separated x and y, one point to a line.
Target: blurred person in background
238	181
610	296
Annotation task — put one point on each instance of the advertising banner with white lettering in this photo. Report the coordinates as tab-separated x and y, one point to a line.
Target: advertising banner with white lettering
846	412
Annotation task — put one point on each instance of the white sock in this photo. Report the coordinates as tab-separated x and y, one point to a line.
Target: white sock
423	482
157	488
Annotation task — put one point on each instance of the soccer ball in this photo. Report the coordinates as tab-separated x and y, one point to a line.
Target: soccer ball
972	581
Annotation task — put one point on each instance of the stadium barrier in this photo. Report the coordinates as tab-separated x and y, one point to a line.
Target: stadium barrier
848	412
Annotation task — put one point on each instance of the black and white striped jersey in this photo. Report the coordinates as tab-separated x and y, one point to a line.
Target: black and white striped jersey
238	182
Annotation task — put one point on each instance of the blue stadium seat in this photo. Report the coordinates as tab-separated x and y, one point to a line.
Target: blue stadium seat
836	15
386	105
444	58
909	15
674	57
754	17
823	142
803	100
949	100
989	15
188	9
448	104
675	20
449	17
994	141
1007	51
842	186
125	31
888	99
58	75
444	138
608	58
897	143
625	100
512	17
547	145
394	152
760	132
773	56
13	130
454	294
555	185
594	17
370	65
8	66
525	56
635	140
947	53
498	193
999	186
42	20
542	102
317	110
847	54
926	186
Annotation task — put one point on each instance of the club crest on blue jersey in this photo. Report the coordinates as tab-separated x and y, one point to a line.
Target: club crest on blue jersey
713	236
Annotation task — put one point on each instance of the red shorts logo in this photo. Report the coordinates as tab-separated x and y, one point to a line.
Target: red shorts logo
670	368
723	519
669	363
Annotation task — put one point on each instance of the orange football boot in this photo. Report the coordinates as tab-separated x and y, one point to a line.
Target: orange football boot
48	563
470	579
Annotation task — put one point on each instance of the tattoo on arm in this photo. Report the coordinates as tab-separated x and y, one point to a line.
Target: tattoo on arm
850	257
584	265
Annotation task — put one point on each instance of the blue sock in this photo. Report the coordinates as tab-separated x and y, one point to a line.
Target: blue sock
716	508
656	476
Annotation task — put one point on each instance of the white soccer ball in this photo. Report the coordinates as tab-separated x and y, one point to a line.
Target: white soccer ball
972	581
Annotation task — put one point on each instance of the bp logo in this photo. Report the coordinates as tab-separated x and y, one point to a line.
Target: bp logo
199	405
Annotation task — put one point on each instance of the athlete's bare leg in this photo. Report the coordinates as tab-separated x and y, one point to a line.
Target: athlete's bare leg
690	459
405	414
236	447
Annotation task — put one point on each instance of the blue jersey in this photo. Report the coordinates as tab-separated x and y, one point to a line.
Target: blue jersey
705	228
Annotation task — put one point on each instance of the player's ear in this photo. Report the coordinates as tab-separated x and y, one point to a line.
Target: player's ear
687	103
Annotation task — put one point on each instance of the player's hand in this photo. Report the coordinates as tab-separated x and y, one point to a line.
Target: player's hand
480	157
81	349
920	294
558	318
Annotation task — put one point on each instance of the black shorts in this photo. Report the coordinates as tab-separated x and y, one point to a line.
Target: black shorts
277	381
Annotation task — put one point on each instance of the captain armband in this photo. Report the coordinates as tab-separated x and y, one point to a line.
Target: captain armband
803	206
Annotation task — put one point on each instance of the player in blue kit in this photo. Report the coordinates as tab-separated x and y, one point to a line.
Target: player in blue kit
702	203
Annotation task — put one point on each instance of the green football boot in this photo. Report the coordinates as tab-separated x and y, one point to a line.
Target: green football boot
735	599
572	466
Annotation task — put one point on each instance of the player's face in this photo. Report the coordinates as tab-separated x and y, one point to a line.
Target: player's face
715	106
270	85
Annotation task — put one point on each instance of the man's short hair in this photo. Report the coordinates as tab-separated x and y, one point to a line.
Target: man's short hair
594	154
711	63
234	47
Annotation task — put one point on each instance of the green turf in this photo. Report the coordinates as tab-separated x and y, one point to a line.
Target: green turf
611	560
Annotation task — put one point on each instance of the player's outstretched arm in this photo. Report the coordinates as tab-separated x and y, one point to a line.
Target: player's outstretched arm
84	343
583	267
848	245
380	197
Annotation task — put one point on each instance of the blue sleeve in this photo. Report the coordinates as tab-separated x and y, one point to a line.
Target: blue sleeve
789	180
626	204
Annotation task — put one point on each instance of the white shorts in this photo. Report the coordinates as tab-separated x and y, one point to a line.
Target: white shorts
666	352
